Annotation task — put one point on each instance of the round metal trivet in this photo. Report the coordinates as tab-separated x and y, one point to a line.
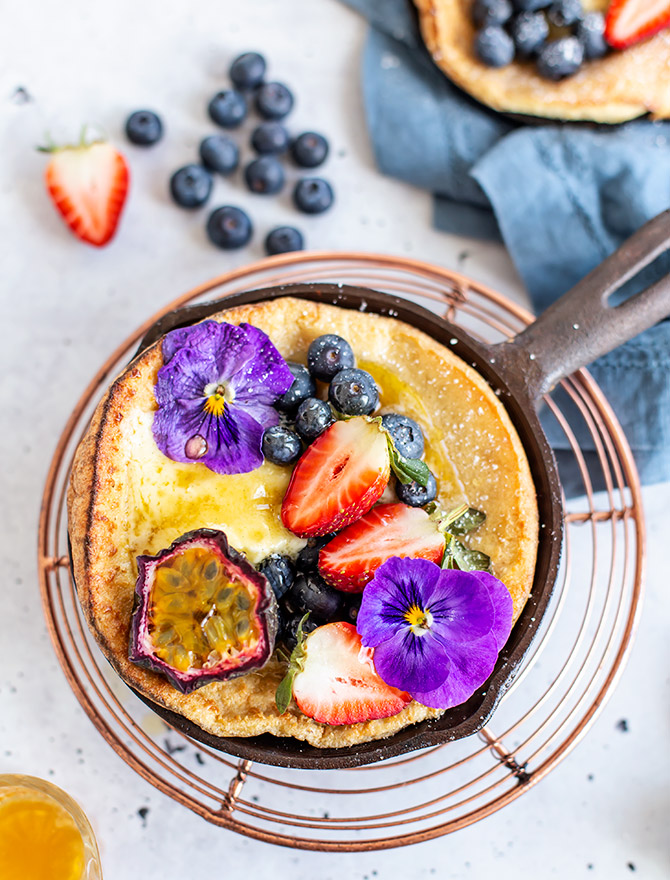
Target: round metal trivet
584	638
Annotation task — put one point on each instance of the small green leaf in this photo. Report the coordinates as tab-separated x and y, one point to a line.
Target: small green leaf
467	559
468	521
409	469
284	692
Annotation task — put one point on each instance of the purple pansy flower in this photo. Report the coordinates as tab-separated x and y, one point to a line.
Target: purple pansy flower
436	633
215	392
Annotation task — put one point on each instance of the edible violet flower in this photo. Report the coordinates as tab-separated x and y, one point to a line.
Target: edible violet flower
215	392
436	633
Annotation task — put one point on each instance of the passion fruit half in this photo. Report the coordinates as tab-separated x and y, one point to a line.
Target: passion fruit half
202	612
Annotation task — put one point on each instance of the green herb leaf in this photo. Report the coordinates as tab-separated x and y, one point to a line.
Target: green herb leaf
296	663
468	521
409	469
467	559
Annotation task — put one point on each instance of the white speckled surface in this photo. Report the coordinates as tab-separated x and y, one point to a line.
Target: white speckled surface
604	811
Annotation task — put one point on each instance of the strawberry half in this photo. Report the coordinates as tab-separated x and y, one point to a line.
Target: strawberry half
351	559
338	683
629	21
88	184
338	479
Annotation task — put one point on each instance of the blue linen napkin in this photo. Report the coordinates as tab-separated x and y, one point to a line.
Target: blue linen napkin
561	197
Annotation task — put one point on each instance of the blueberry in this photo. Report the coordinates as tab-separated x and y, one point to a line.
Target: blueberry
144	128
274	101
219	153
353	392
229	227
270	137
280	573
290	629
309	149
530	5
352	605
491	12
529	31
327	355
313	195
303	387
280	445
191	186
310	592
227	108
416	495
312	418
591	34
283	239
560	58
565	13
247	71
264	175
308	558
407	436
494	46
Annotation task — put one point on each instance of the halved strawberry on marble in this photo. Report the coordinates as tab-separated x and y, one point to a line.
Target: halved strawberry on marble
338	479
333	680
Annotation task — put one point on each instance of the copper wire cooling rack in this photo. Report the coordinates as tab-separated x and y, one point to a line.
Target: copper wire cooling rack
572	665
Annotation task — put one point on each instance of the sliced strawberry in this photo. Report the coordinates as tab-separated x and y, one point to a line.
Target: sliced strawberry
338	683
338	479
351	559
629	21
88	184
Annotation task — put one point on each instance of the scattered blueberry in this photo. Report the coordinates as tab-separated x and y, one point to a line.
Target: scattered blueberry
530	5
313	195
264	175
144	128
529	31
279	571
280	445
352	605
228	108
312	418
309	149
310	592
327	355
486	12
494	46
270	137
229	227
416	495
353	392
191	186
591	34
247	71
219	153
560	58
565	13
290	629
283	239
303	387
274	100
407	436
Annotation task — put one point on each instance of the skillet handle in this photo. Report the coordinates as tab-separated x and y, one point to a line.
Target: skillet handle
581	326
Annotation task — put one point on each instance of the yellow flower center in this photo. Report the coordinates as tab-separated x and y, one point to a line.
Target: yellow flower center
217	395
419	619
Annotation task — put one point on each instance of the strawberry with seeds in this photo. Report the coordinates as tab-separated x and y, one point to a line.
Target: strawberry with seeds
629	21
88	183
338	479
351	559
333	680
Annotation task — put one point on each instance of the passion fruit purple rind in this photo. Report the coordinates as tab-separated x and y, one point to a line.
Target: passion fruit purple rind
202	612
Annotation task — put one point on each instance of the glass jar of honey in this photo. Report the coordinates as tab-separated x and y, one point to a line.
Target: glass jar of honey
44	835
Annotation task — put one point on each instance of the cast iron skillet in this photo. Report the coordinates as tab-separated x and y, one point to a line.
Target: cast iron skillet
574	331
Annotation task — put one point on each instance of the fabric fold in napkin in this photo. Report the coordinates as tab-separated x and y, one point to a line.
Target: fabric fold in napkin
561	197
